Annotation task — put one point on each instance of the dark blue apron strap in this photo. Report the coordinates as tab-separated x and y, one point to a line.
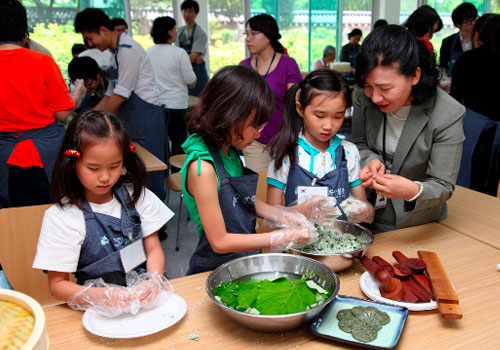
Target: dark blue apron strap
14	43
219	167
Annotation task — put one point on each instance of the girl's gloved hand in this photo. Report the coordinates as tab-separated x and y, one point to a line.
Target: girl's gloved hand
284	217
293	238
357	209
321	210
105	299
147	288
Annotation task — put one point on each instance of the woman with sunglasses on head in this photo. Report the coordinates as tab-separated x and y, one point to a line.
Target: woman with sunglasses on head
409	132
279	70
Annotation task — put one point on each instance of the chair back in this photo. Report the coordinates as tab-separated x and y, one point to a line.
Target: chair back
19	238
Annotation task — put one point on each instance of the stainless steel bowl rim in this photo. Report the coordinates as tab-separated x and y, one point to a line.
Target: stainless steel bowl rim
210	294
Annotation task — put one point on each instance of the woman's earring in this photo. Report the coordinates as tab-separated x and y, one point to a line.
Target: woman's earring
124	171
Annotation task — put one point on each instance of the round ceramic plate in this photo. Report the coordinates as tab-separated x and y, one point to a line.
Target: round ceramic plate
369	286
145	322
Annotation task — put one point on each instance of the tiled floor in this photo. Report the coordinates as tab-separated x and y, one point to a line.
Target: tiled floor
177	262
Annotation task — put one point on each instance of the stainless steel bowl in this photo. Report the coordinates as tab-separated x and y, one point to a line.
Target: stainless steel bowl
291	265
341	261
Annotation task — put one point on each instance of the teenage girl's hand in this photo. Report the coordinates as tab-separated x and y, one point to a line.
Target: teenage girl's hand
395	186
293	237
371	170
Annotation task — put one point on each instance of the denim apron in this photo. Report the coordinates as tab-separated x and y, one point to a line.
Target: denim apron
454	54
336	180
200	70
145	124
47	141
105	236
237	203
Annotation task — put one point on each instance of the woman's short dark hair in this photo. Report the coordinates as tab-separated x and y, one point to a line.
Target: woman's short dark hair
394	44
91	20
422	21
463	11
379	23
354	32
190	4
83	68
490	33
160	29
232	94
326	82
269	27
13	21
89	128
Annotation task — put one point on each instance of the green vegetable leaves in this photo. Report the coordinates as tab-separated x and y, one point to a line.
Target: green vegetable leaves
277	297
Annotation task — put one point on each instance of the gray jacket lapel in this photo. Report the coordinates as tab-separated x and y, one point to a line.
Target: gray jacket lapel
373	122
416	122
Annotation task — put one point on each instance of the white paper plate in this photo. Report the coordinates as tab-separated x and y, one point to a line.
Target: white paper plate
145	322
369	286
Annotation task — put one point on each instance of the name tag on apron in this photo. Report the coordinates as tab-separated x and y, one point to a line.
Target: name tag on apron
306	192
380	202
132	255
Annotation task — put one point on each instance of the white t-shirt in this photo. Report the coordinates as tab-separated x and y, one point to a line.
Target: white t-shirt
135	72
173	72
63	229
103	58
319	163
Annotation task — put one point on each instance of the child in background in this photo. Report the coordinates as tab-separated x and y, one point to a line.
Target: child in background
307	151
104	221
218	190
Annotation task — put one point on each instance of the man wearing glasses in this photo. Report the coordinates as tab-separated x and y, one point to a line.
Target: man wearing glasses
464	17
193	39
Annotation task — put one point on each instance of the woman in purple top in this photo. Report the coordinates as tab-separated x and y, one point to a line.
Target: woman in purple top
279	70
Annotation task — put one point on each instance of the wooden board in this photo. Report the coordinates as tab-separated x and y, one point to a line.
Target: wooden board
444	292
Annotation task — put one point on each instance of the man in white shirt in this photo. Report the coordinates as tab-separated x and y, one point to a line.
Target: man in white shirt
132	93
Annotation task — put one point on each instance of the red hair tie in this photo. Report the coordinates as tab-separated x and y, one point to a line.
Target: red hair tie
72	153
132	148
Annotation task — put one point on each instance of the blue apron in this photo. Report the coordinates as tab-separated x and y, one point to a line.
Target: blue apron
237	203
47	141
146	125
336	180
200	70
105	236
454	54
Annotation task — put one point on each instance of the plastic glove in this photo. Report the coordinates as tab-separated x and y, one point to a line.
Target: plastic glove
357	209
284	217
103	298
146	287
78	91
293	237
322	210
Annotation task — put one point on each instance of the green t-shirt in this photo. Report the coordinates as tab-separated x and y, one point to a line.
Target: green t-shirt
197	150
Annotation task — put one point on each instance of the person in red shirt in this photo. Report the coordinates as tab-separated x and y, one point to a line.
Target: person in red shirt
34	96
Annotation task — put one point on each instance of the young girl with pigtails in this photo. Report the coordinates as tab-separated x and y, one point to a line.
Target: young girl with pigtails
309	157
104	221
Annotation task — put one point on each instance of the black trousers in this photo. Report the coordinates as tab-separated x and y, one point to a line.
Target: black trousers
28	186
177	131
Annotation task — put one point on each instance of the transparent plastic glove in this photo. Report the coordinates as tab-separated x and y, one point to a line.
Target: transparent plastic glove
146	288
285	217
357	209
103	298
293	238
322	210
78	91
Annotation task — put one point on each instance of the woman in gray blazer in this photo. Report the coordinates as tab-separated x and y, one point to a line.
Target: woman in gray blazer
408	131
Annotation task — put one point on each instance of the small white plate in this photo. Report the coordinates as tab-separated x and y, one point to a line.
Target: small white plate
369	286
145	322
